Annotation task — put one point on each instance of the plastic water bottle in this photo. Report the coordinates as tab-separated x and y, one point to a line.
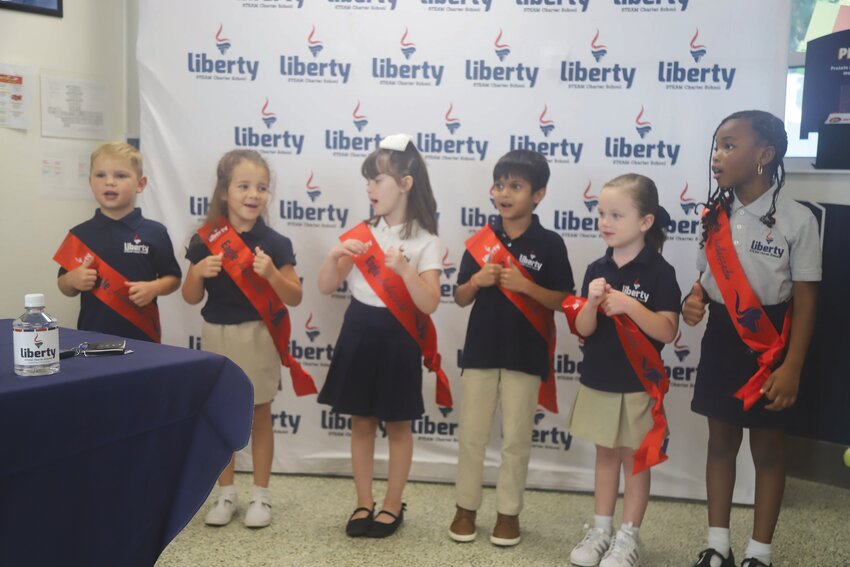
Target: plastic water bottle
36	339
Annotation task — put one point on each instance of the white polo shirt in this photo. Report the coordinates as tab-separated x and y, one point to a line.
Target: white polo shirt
421	250
772	258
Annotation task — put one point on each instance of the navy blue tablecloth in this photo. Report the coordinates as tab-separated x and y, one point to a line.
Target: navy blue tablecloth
106	461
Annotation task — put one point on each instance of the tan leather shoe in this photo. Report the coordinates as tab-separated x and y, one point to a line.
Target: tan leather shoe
506	532
463	526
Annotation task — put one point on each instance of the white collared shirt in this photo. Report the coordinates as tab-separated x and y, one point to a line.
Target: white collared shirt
421	250
772	258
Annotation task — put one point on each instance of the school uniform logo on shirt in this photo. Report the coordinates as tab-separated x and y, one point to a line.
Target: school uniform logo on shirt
136	246
767	248
635	291
531	262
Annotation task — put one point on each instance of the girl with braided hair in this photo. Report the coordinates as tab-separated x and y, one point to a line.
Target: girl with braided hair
759	253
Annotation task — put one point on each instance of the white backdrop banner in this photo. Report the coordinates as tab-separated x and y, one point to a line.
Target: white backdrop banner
601	87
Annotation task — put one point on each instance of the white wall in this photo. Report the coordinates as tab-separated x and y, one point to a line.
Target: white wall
89	42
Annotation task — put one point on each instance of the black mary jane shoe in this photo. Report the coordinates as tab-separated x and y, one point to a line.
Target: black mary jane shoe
359	527
381	530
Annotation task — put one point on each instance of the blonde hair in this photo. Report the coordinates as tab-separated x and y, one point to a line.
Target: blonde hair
119	150
224	173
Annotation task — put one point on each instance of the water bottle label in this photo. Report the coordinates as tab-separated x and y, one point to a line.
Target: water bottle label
36	347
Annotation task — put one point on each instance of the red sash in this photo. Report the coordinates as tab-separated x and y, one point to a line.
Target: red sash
745	310
485	247
390	287
647	364
238	261
109	288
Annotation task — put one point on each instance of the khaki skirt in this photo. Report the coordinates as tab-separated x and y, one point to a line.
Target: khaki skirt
611	419
250	346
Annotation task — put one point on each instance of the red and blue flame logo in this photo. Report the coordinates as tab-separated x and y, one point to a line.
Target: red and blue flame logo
697	51
313	191
598	50
408	48
502	49
452	122
546	124
221	42
643	127
314	45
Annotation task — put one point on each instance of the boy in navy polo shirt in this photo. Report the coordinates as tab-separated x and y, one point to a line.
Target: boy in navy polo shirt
138	248
504	356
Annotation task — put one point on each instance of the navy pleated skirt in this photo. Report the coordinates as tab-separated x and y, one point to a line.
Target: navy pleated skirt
376	369
726	363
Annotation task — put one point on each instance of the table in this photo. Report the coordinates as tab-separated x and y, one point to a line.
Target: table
106	461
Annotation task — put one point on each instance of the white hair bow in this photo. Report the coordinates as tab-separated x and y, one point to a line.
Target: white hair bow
397	142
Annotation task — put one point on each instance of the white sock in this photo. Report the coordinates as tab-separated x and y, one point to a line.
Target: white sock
604	522
759	550
718	539
630	529
261	491
228	490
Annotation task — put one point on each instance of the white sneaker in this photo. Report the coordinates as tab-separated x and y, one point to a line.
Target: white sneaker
590	549
623	552
223	510
259	513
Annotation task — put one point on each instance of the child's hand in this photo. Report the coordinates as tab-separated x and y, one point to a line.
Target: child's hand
487	276
350	247
512	279
82	278
210	266
693	309
142	293
395	260
781	388
596	291
263	264
616	302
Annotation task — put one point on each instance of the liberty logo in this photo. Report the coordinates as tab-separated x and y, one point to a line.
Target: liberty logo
769	237
681	350
313	191
408	48
687	203
452	123
314	45
360	120
643	127
222	43
590	201
311	330
269	118
502	49
37	341
448	267
681	77
636	284
697	51
597	49
546	125
749	317
137	240
445	412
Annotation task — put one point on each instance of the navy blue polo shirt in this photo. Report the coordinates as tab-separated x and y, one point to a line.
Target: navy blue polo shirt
498	334
139	249
649	279
226	304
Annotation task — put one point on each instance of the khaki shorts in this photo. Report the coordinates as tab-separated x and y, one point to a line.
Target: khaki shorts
611	419
250	346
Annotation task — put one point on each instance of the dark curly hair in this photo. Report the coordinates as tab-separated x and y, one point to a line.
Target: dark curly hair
771	131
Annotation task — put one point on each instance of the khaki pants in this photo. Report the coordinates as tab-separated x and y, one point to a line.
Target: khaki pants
515	393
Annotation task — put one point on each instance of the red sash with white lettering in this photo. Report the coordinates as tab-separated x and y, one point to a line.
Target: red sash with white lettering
109	288
649	368
238	261
744	308
390	287
485	246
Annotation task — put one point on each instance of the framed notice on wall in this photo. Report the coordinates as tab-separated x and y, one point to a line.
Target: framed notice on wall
46	7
